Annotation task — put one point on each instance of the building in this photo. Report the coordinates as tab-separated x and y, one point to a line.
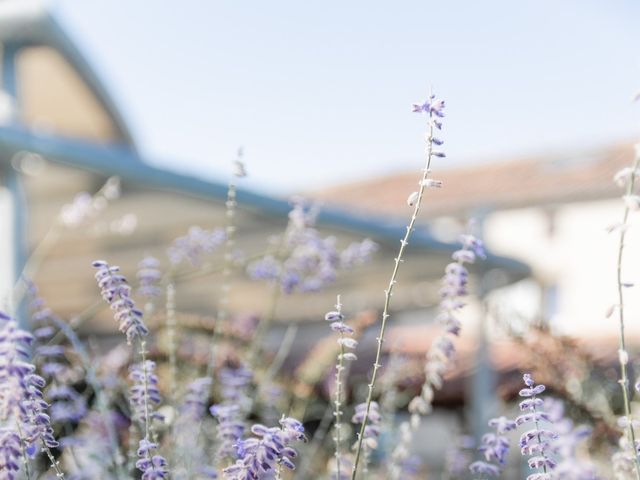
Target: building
61	133
551	212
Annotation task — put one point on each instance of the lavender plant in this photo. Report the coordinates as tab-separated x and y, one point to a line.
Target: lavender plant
458	457
301	260
346	343
267	453
191	454
570	465
229	245
626	178
195	246
495	447
434	110
371	432
23	411
442	351
234	382
537	441
116	292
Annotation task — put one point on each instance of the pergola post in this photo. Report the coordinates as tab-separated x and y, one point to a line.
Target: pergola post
12	199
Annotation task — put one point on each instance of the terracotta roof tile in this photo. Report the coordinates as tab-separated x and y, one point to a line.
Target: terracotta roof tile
501	184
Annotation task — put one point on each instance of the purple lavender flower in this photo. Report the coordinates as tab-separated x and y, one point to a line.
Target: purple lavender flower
372	430
190	451
484	468
22	406
442	351
306	262
337	325
116	292
144	392
148	277
194	404
430	106
153	467
195	245
495	447
565	446
357	253
262	455
434	109
67	405
10	452
144	396
234	382
230	428
459	456
536	441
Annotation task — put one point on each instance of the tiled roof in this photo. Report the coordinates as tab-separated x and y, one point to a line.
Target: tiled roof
502	184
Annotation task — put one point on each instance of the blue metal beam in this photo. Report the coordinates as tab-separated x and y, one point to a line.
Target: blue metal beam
122	161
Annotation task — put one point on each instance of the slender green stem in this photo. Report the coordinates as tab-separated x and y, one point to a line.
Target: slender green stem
338	399
281	355
145	386
263	326
223	303
388	293
55	464
23	452
624	380
171	325
34	262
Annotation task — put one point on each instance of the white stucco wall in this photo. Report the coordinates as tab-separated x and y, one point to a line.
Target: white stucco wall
6	248
576	256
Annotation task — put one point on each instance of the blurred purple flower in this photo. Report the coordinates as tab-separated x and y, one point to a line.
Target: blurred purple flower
144	394
372	430
261	455
149	276
22	406
306	262
195	245
234	382
10	449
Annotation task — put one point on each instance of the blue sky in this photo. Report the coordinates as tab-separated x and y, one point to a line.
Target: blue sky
320	92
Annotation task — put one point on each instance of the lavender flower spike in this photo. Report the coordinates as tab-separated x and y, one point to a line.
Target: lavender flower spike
259	457
442	350
195	246
117	293
153	467
10	452
144	394
434	109
22	406
536	441
495	447
626	178
337	325
149	277
372	430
